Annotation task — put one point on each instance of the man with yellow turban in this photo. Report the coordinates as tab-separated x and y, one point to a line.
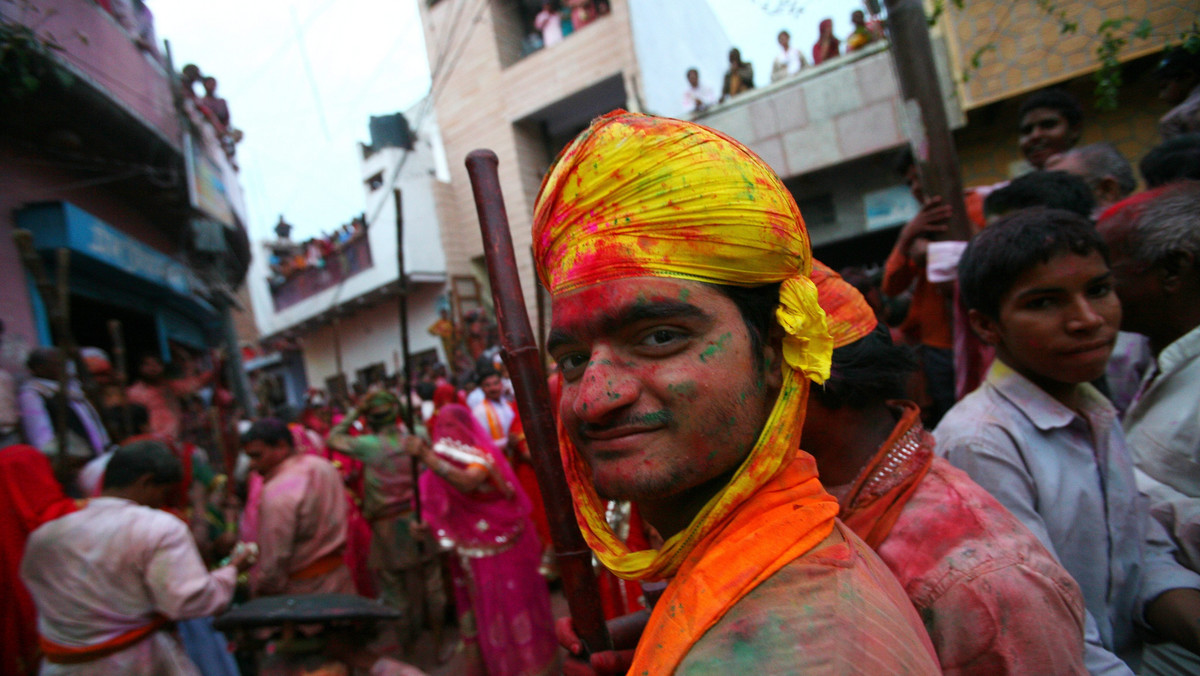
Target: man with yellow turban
686	329
993	599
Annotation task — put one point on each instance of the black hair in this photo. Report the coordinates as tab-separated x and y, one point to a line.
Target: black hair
483	373
1051	189
757	306
114	418
869	371
41	357
1004	250
133	461
1177	62
1054	99
270	431
425	390
904	159
1172	160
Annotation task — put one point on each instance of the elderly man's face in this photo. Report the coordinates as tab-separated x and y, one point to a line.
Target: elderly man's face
662	390
1137	284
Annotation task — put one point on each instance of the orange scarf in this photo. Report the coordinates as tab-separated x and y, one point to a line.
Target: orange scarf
890	479
62	654
781	521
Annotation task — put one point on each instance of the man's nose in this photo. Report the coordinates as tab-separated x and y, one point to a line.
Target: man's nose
606	386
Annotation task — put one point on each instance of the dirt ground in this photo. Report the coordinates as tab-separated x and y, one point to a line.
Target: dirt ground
426	659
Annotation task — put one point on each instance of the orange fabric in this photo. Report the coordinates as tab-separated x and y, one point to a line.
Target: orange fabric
494	427
847	313
886	484
733	559
928	319
61	654
325	564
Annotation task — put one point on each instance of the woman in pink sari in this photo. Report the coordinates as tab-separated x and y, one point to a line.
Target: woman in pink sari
472	500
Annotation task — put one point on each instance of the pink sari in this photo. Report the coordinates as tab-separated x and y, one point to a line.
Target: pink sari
498	589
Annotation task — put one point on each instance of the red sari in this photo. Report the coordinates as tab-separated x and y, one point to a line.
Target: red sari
29	497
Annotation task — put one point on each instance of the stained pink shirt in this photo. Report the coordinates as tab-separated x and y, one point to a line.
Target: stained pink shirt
992	597
301	519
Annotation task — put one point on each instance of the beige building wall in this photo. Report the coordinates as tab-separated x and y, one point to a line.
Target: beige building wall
1028	50
987	146
484	94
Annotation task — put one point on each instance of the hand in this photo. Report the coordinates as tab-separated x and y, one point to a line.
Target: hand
245	554
607	663
933	218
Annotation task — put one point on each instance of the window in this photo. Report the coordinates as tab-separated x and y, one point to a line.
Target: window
375	182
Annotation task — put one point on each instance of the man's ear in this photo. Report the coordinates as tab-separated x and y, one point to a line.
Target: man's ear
985	327
1176	266
772	357
1107	190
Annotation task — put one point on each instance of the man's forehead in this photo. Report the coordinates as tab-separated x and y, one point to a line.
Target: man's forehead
607	306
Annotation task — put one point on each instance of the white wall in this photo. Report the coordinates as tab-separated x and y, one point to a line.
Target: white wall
671	37
418	171
372	335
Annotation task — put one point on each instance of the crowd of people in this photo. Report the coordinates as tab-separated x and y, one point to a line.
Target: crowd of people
788	61
777	469
557	20
288	257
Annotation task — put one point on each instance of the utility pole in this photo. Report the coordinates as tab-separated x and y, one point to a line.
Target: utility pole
933	144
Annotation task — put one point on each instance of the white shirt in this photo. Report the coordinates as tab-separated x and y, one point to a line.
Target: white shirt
1163	431
550	24
698	94
787	62
109	569
505	415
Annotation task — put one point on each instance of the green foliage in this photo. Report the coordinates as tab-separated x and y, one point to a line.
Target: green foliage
25	62
1115	35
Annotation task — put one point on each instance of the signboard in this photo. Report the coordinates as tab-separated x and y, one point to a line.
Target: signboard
206	184
889	207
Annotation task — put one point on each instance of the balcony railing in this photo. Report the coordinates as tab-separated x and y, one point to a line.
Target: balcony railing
351	259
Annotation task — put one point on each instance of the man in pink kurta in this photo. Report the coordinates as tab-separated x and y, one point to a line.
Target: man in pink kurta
108	579
301	518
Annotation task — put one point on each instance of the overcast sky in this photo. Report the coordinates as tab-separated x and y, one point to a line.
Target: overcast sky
303	77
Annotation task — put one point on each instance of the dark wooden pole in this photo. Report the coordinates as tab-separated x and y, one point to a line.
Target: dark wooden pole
116	334
406	381
937	160
533	402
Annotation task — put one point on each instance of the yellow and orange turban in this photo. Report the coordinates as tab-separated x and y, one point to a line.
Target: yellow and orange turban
849	316
636	195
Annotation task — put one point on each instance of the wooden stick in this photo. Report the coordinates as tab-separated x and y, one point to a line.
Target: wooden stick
116	335
533	402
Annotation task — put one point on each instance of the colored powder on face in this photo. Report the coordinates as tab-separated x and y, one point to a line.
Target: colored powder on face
686	390
719	346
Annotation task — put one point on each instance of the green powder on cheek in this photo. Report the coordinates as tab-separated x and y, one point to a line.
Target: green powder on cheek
719	346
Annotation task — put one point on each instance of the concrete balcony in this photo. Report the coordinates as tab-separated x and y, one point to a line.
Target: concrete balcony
92	46
349	260
845	109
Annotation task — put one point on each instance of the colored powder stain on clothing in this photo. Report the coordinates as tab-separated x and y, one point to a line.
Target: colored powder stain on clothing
719	346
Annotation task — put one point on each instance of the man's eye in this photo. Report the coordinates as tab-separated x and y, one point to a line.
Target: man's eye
570	364
1100	290
660	337
1039	303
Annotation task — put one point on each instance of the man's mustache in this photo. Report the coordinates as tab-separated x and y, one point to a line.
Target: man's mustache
654	419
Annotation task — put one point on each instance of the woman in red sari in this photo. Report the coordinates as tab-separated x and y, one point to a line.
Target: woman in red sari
29	497
827	45
473	501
